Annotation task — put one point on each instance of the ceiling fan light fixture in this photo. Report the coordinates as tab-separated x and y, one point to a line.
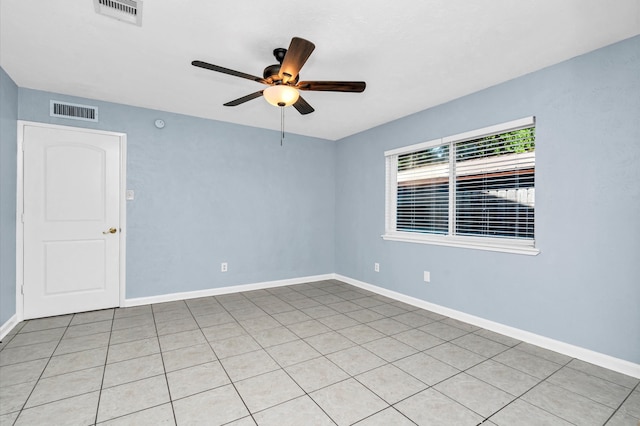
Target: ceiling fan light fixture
281	95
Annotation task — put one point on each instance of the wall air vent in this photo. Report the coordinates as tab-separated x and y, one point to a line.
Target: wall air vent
73	111
124	10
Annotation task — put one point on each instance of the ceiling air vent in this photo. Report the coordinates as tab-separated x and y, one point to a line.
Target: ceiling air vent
124	10
73	111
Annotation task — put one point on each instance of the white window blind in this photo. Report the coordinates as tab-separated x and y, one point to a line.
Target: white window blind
475	189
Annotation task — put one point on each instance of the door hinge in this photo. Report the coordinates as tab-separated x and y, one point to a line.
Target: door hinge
22	290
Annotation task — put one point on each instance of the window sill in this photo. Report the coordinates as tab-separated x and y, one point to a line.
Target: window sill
462	242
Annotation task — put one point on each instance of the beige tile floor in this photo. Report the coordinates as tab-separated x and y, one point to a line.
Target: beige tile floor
321	353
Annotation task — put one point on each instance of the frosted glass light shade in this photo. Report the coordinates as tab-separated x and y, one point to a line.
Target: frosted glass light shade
281	95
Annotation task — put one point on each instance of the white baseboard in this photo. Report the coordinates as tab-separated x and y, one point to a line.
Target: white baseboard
587	355
223	290
8	326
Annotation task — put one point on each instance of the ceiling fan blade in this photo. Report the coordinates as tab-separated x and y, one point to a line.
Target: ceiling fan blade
303	107
333	86
228	71
297	54
244	99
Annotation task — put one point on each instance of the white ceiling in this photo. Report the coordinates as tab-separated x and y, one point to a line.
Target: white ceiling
413	54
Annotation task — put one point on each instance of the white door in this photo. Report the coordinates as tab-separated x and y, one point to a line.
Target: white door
71	221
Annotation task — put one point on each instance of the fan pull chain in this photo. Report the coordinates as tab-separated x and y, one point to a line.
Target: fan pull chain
281	125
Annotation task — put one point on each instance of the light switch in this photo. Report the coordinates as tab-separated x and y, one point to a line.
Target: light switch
130	195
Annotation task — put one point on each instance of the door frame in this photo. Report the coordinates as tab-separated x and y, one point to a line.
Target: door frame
20	208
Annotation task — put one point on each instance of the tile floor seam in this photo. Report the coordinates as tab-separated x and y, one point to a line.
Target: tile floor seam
164	367
104	369
22	408
231	382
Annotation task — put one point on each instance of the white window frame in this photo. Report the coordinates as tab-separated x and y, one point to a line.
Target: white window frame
508	245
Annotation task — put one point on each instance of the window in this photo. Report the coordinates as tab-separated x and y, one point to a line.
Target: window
475	190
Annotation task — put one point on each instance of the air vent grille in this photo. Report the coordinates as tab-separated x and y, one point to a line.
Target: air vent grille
73	111
124	10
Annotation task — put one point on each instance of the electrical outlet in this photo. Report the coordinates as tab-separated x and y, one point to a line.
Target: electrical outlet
224	267
427	276
376	267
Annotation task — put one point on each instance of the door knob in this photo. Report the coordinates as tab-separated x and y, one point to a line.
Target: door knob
110	231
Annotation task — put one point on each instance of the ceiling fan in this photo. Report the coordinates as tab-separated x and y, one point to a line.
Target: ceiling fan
283	78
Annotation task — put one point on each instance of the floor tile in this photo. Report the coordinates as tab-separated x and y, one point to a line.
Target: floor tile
132	369
603	373
215	407
267	390
183	339
320	311
162	415
443	331
503	377
338	322
474	394
425	368
388	326
214	319
46	323
78	410
480	345
316	373
327	343
391	383
500	338
83	343
430	407
348	401
364	315
8	419
291	317
248	365
20	373
12	398
455	356
75	361
299	411
389	416
88	329
132	311
388	310
572	407
292	352
522	413
199	378
187	357
543	353
65	386
131	397
418	339
223	331
356	360
274	336
389	349
92	316
592	387
528	363
177	326
234	346
33	337
361	333
27	353
138	321
134	333
135	349
344	306
308	328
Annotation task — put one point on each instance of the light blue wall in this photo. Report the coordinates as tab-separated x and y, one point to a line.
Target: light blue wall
209	192
8	147
584	286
